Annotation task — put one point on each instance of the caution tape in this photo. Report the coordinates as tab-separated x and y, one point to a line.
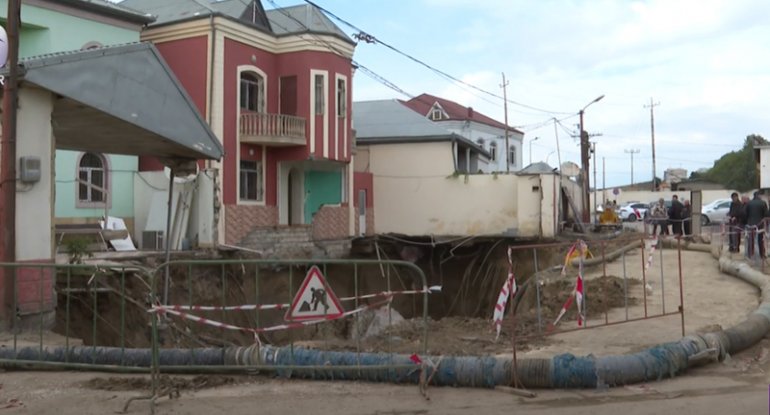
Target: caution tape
254	307
577	293
653	245
508	290
287	326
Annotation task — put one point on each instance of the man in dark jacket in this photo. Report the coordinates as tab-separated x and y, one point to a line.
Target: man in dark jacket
675	215
735	221
756	211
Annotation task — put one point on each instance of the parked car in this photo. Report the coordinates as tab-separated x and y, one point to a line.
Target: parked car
715	212
632	211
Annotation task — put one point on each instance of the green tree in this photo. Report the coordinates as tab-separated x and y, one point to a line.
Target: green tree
737	169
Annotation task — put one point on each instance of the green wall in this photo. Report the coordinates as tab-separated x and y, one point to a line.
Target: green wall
121	180
322	188
46	31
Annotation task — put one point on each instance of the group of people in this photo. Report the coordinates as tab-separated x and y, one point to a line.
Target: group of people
746	216
677	215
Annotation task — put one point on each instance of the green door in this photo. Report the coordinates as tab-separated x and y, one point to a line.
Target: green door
321	188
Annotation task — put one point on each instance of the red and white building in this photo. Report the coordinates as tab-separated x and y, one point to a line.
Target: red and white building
275	87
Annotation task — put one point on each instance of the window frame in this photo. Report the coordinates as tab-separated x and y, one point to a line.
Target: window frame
243	180
258	84
512	155
105	186
342	98
493	151
319	105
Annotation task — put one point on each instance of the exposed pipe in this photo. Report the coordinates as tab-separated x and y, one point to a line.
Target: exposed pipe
561	371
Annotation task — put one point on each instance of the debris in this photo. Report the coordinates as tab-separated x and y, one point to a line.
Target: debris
514	391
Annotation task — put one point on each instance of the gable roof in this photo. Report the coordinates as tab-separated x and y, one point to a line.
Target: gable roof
248	12
423	103
106	8
286	21
121	100
389	121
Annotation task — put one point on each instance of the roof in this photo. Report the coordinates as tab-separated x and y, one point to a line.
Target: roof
389	121
107	8
122	100
173	11
423	103
286	21
538	168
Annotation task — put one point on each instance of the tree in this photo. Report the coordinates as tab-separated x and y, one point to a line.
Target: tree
737	169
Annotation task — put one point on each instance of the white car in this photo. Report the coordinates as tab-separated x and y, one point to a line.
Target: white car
715	212
632	211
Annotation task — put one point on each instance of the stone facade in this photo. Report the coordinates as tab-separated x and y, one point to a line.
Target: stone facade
331	222
240	220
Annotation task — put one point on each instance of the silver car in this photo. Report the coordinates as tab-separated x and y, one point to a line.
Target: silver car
716	211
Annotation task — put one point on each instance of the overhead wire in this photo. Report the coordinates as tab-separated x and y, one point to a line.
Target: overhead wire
367	37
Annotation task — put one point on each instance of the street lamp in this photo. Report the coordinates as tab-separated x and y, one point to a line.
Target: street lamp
584	157
530	148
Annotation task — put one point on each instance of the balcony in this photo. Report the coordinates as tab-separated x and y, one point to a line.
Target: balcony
272	129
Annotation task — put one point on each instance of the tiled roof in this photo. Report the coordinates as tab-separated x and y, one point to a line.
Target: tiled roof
424	102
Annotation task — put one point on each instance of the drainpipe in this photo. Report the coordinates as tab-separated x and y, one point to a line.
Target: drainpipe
209	105
8	168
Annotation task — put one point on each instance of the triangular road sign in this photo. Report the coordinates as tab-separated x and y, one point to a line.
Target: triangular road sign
314	300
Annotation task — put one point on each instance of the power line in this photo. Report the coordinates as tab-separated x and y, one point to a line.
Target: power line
368	38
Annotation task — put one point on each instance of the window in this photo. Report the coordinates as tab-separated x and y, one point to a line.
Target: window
493	151
512	155
252	92
342	98
436	114
251	181
480	142
92	179
320	93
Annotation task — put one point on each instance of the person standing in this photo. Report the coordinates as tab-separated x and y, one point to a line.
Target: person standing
659	218
675	215
686	218
756	211
735	222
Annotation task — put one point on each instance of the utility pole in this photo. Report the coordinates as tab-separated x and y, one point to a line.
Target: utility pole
632	152
505	108
8	162
584	158
652	132
604	181
596	200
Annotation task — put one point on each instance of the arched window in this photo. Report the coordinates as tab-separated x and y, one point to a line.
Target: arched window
480	142
493	151
512	155
252	92
92	180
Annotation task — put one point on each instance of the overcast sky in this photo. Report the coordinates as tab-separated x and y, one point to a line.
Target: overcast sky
706	62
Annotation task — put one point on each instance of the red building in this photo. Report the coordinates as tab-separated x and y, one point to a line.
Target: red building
275	86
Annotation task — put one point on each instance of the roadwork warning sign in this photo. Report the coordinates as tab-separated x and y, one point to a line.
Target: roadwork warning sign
314	300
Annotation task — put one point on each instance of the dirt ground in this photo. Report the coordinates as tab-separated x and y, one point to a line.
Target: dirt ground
737	386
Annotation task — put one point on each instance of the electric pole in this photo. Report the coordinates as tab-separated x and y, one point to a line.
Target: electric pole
632	152
604	181
652	132
596	184
505	108
8	165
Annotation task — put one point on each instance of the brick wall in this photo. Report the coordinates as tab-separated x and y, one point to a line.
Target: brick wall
34	289
331	222
242	219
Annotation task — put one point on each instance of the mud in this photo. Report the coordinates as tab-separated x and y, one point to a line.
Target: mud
165	382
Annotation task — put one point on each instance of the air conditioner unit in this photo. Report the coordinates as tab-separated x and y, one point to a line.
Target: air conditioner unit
153	241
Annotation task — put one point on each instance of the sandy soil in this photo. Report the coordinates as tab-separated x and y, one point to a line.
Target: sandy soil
736	386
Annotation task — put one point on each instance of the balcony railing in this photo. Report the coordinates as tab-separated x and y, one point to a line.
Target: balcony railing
272	129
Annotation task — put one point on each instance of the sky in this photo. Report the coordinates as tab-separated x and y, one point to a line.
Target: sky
705	62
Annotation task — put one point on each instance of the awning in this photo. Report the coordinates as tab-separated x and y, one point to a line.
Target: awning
121	100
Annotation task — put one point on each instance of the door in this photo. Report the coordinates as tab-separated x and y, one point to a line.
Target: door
296	199
288	88
362	212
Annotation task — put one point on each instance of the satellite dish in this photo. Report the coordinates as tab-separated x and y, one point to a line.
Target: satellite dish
3	47
570	169
183	178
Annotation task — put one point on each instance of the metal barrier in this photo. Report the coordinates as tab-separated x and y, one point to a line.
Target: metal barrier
647	273
250	299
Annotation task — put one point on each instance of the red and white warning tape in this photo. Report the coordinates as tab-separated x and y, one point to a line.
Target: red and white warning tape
653	245
508	290
577	293
287	326
251	307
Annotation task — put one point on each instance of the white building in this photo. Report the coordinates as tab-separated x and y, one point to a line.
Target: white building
476	127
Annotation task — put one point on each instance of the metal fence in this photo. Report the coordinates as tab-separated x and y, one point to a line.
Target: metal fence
220	316
643	274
